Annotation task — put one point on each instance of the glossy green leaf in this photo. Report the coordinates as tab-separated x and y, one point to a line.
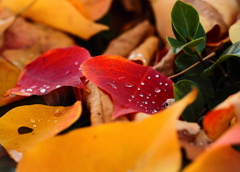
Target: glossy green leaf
232	51
200	33
204	84
185	20
184	61
177	46
181	89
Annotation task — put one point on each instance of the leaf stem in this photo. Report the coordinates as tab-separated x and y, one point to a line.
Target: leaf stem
201	60
190	67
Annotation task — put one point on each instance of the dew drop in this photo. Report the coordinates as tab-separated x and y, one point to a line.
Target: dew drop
48	120
157	90
141	105
34	125
153	102
113	86
138	88
43	90
67	72
149	77
141	95
142	83
154	110
76	63
32	120
58	86
146	103
34	86
80	69
121	78
149	94
147	97
47	87
132	96
157	76
129	100
29	89
22	90
160	83
129	85
139	54
55	120
44	85
166	84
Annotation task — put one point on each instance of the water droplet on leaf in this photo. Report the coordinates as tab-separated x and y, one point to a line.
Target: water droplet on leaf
157	90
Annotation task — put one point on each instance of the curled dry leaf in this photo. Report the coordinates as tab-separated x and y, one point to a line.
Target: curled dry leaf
125	43
234	32
52	70
78	25
5	23
215	16
100	105
145	51
25	126
133	87
146	143
166	65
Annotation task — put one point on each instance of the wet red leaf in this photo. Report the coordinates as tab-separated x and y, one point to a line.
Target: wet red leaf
51	70
133	87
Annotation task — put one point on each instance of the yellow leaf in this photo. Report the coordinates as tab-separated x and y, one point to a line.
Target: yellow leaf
24	126
148	145
96	8
234	32
8	76
59	14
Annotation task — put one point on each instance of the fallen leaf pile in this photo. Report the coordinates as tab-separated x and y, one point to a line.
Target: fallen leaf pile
92	85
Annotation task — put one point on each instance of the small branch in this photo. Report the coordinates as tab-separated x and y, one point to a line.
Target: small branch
201	60
195	64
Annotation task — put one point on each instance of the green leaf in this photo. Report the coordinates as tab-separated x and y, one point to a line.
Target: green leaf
200	33
185	20
204	84
181	89
184	61
232	51
177	46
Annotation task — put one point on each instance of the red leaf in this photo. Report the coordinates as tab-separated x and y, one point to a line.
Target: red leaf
51	70
133	87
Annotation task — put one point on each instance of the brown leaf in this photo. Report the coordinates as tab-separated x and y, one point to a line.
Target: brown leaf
20	57
145	51
129	40
166	65
23	35
100	105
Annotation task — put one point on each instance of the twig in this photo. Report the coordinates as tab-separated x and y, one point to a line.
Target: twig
195	64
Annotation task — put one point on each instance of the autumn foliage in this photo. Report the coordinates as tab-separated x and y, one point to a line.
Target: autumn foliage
89	86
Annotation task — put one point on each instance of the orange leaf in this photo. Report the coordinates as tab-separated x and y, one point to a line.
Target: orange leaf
122	146
221	159
24	126
217	121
